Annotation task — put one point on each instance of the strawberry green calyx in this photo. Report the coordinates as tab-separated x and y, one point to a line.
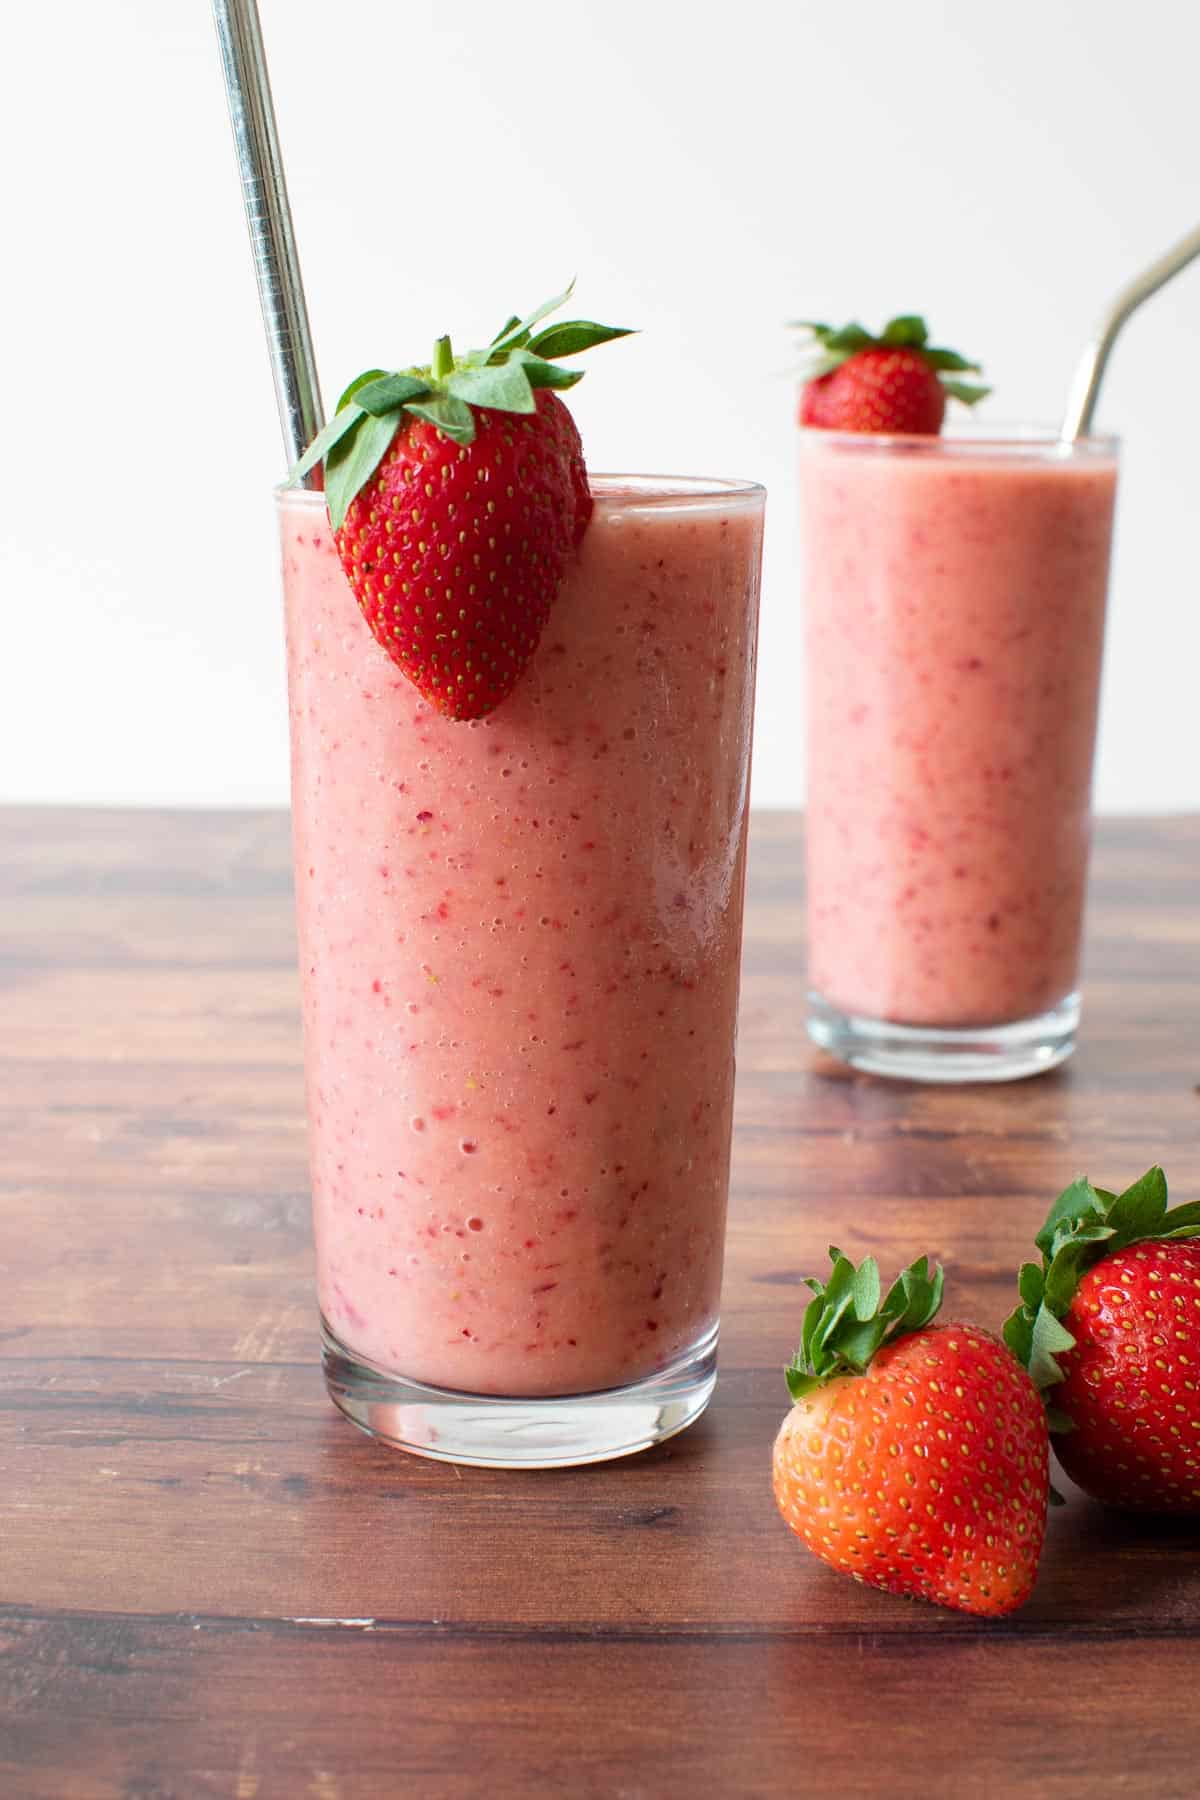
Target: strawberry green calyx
502	376
827	347
845	1322
1084	1225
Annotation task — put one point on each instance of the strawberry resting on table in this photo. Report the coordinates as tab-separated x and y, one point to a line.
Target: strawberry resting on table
1109	1327
915	1455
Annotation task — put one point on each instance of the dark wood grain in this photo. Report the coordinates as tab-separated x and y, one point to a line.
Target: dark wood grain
211	1585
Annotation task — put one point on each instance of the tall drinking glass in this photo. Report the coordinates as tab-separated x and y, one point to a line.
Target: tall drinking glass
519	946
955	593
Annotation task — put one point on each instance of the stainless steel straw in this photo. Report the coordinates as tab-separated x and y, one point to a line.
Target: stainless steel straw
264	192
1085	388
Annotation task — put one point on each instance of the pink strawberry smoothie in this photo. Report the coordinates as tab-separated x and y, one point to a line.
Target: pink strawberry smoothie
955	599
519	945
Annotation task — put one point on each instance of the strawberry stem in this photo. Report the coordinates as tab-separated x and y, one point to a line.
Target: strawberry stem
847	1321
443	359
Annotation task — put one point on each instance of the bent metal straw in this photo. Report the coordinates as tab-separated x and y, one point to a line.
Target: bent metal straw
1085	388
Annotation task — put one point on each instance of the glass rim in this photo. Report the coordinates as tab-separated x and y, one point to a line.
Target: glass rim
630	492
967	438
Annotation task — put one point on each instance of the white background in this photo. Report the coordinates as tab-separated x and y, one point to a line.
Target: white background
708	171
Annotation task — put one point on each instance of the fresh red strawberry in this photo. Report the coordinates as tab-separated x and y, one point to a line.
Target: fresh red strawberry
1109	1327
878	390
457	494
895	383
456	552
915	1455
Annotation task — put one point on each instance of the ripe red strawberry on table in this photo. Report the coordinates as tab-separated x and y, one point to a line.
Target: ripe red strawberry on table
457	493
896	383
915	1455
1109	1327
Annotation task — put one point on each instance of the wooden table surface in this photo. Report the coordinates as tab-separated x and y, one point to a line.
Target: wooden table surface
212	1585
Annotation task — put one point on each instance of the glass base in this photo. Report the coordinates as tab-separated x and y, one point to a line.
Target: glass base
523	1432
961	1053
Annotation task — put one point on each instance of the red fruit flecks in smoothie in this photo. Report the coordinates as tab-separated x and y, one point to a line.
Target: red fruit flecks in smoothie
581	1174
955	619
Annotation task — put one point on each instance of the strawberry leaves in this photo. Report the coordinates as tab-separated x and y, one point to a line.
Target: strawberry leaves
502	376
1084	1225
342	423
381	395
969	392
519	331
909	331
566	338
448	412
355	458
826	348
573	335
504	386
541	373
845	1322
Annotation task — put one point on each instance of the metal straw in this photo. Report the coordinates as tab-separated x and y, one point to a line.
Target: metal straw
264	192
1085	388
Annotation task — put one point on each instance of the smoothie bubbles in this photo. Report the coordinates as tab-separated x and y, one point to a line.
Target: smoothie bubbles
955	587
520	705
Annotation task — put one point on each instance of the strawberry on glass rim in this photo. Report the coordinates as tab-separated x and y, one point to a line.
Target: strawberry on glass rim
897	383
457	492
1109	1329
915	1455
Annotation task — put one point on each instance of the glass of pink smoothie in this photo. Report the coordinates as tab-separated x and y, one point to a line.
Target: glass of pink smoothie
519	948
955	592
